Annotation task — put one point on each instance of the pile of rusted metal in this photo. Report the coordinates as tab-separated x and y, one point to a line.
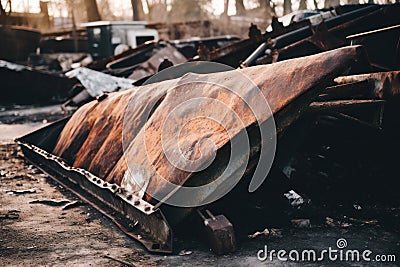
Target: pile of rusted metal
334	107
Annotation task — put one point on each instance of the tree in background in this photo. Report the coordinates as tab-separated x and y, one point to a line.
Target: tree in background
167	10
287	7
332	3
3	12
76	13
266	5
188	10
44	10
303	4
240	9
92	10
137	8
225	16
157	10
105	9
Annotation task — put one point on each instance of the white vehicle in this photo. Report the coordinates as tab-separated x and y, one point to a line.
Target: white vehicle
105	36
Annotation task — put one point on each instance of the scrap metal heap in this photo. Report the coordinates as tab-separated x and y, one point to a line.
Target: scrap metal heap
335	122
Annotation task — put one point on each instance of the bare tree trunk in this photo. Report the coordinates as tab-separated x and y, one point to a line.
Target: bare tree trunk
303	4
333	3
74	35
266	5
2	10
3	13
226	6
287	6
240	10
137	8
273	9
92	10
44	10
225	14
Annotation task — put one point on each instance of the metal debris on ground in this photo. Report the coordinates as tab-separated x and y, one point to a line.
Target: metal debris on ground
50	202
73	204
295	199
220	233
21	192
364	221
97	83
331	103
10	215
185	252
275	232
265	232
120	261
330	221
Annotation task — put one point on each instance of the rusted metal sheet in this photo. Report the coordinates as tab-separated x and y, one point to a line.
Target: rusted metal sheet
150	66
102	63
97	83
145	62
86	152
92	138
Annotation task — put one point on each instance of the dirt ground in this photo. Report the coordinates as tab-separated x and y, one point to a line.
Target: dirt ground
48	226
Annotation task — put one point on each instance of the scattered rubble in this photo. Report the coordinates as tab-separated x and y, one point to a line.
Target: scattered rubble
21	192
295	199
10	215
185	252
263	233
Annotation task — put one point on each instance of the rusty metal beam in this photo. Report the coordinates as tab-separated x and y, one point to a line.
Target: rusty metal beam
386	84
343	104
356	90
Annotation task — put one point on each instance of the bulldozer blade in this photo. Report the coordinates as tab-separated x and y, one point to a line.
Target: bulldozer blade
135	217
